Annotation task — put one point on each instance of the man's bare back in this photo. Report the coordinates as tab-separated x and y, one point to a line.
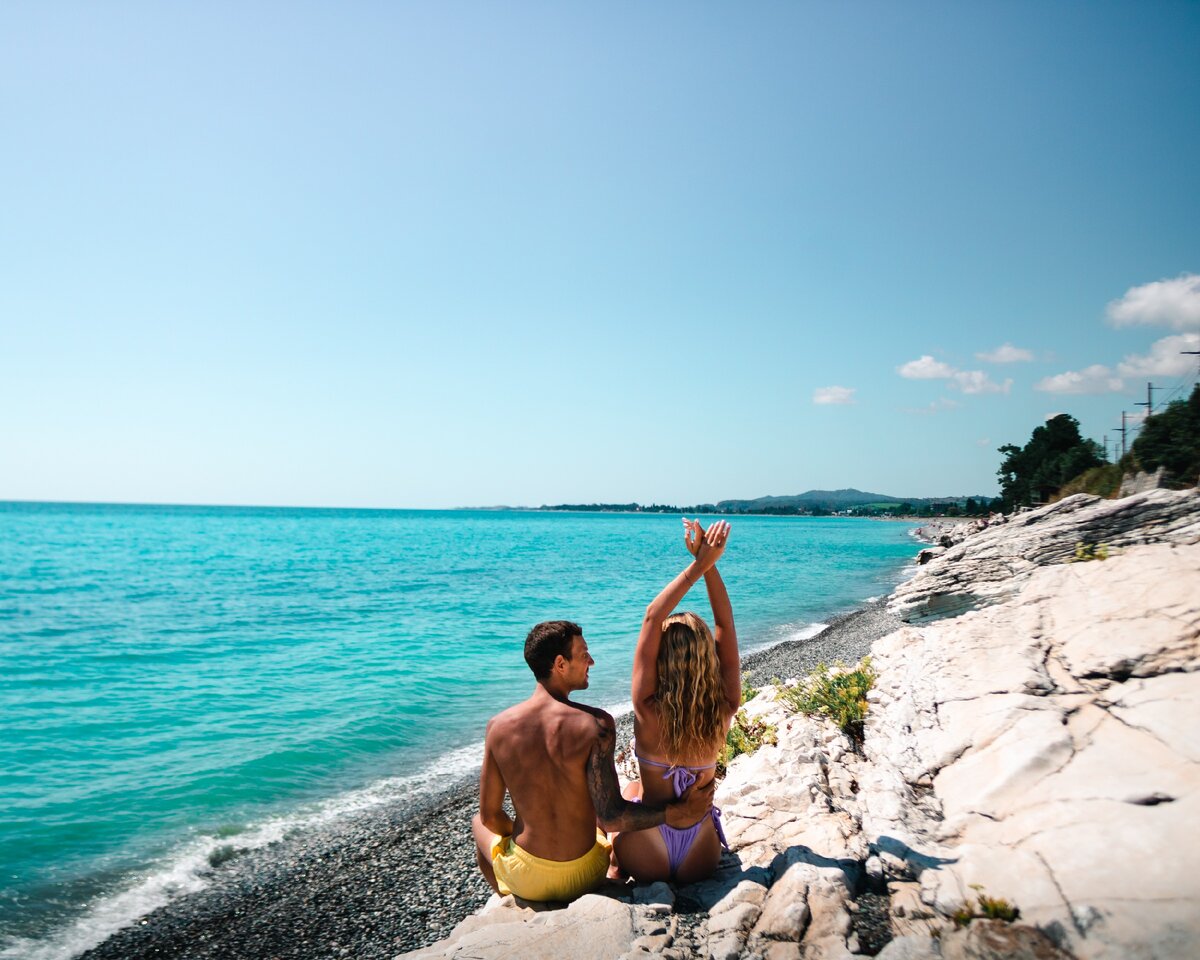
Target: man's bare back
541	749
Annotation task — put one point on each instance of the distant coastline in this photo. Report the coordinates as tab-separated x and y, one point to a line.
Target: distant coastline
814	503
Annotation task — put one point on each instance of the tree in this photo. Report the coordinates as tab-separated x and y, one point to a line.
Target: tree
1055	453
1171	439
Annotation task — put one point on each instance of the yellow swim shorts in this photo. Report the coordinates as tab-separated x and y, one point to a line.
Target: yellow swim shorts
532	878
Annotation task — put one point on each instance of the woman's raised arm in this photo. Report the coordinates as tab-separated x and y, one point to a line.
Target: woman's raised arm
726	637
723	629
645	658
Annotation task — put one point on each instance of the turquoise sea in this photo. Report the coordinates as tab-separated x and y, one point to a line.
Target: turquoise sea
177	683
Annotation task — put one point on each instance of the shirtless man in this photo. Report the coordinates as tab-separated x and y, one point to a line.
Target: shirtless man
556	759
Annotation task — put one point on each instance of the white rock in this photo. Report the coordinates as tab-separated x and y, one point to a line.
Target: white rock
740	916
992	780
785	913
1167	707
911	948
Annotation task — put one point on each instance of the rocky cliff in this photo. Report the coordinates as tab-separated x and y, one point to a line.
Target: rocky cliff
1026	787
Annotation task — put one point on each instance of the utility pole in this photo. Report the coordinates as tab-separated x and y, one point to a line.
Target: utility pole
1149	402
1123	428
1106	447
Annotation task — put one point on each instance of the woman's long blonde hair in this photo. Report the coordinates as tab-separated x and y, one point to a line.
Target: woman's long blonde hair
690	695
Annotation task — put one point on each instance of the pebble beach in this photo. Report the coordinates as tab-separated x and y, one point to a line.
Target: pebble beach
392	879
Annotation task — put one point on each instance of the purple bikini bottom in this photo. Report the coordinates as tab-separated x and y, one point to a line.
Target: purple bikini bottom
679	840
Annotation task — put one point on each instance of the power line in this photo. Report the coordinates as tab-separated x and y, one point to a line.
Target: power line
1148	403
1123	428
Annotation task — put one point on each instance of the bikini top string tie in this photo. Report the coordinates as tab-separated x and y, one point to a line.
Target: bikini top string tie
681	778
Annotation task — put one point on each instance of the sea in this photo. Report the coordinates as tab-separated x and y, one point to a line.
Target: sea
179	684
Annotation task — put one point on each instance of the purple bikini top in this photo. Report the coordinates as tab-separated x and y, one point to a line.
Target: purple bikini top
681	777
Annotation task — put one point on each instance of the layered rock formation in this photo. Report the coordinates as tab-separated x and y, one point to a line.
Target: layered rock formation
1041	749
992	564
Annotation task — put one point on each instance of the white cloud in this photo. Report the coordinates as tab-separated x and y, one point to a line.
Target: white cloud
1172	303
1094	379
976	381
983	442
1164	358
832	395
1005	354
926	368
968	381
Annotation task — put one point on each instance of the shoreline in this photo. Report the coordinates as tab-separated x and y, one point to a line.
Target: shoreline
395	877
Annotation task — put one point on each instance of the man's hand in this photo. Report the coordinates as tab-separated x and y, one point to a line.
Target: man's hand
692	806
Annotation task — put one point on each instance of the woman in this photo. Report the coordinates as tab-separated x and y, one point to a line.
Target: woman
686	691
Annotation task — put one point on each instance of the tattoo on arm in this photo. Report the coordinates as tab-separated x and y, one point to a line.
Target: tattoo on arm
614	811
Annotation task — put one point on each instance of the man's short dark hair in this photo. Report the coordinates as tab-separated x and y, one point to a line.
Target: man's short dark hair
546	642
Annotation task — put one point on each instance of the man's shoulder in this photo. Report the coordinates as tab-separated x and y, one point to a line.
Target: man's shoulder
585	723
592	721
515	715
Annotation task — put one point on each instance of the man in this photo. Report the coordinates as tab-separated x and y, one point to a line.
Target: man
556	759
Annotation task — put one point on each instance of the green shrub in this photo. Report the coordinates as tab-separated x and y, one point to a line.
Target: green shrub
840	696
748	692
745	736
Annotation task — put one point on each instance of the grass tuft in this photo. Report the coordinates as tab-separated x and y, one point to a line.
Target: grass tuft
989	908
1089	551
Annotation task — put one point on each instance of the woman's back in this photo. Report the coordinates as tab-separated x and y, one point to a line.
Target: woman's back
656	765
686	690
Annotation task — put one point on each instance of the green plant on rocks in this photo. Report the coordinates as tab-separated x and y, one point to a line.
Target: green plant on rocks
839	694
989	908
745	736
749	692
1089	551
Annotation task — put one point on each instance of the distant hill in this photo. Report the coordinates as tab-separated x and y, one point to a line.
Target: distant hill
811	502
825	499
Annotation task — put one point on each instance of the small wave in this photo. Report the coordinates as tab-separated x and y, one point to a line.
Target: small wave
807	633
785	634
190	867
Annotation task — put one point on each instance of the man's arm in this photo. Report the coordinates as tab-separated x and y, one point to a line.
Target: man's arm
491	793
614	812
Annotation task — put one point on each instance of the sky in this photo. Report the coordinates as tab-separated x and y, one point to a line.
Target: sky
445	254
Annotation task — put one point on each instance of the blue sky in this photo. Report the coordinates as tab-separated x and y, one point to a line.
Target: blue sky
425	255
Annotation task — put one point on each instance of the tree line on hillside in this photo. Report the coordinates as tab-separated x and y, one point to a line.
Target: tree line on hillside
968	507
1058	461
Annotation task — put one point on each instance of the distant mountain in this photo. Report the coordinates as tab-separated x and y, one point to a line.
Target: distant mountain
824	499
813	501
